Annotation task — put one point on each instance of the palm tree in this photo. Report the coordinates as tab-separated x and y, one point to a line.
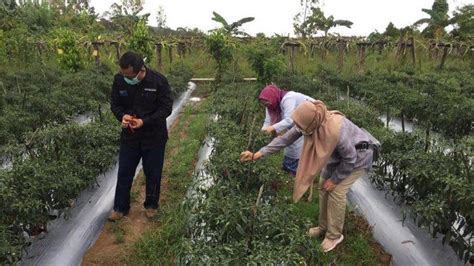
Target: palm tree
438	20
232	28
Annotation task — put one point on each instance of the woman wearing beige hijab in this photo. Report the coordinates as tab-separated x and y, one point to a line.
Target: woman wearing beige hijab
334	148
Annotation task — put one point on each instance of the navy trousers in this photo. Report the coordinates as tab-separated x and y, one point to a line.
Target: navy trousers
152	160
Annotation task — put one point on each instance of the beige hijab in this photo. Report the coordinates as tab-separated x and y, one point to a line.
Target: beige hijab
317	148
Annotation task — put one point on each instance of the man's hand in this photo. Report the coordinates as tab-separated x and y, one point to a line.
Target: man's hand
269	130
136	123
329	185
248	156
126	119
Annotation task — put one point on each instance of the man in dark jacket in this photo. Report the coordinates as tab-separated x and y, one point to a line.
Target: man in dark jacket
141	101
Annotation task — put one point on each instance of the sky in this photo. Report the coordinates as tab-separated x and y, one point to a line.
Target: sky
276	16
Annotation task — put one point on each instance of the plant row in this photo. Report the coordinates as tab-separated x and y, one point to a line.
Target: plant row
429	174
46	176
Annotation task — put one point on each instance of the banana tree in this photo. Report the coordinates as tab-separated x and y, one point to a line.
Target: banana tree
438	20
232	28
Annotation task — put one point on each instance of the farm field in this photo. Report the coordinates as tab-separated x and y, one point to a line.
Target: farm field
411	87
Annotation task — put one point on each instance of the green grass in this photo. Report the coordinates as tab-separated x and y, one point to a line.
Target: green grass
134	195
158	245
119	232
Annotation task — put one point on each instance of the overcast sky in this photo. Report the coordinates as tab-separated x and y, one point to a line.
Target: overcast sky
276	16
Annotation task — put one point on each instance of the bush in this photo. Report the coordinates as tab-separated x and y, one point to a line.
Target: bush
265	62
178	77
69	54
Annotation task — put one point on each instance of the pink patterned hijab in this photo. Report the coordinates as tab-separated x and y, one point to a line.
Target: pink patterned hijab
273	95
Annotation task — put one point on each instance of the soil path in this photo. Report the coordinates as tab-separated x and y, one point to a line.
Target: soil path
116	239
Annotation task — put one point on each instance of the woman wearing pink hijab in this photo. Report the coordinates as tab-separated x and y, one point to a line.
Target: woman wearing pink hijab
279	105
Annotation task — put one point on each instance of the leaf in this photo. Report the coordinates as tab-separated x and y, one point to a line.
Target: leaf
422	21
241	22
345	23
220	19
240	230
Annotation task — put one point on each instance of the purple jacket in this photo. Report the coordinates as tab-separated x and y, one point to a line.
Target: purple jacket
345	158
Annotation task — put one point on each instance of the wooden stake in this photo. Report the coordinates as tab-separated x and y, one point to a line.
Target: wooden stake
443	58
96	53
413	51
292	58
293	51
342	48
362	49
117	50
159	47
170	53
181	49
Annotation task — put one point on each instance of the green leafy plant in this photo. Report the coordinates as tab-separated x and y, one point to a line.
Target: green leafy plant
69	54
47	174
265	62
220	45
179	76
234	222
140	40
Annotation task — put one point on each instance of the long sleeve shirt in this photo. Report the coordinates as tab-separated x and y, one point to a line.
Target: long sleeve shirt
288	104
344	159
149	100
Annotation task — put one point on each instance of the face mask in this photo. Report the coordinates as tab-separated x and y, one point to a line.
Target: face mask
133	81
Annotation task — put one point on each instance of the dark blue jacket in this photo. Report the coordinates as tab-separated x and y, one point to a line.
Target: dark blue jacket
149	100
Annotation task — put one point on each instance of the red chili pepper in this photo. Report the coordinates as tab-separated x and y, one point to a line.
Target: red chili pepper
132	123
